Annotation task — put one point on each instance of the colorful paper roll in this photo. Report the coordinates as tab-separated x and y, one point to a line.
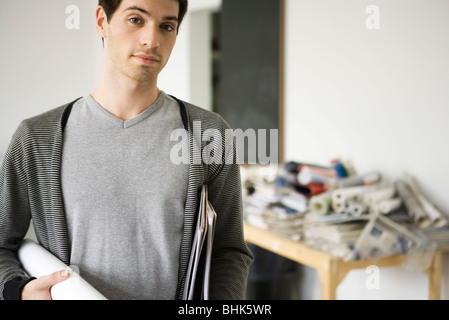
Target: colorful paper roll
309	174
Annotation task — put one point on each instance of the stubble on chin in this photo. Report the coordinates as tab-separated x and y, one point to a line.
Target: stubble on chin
139	73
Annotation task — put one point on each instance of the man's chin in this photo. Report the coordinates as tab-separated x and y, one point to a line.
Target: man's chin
143	77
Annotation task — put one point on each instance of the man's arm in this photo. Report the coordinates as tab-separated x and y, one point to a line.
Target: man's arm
231	257
14	217
15	214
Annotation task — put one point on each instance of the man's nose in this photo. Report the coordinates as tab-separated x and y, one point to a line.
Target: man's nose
150	37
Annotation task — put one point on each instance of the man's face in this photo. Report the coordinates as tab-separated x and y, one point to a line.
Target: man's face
140	37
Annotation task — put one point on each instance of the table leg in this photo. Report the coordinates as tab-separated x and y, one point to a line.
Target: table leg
434	273
328	281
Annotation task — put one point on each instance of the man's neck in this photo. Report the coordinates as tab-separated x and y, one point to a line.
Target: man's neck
125	99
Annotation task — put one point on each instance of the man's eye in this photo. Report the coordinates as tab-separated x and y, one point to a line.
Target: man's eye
135	20
168	27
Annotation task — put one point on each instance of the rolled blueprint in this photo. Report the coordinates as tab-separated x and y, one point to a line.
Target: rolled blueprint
38	262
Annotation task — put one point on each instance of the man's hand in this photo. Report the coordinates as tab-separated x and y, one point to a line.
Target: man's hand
39	289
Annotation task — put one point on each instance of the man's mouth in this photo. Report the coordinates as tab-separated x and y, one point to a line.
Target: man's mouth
146	59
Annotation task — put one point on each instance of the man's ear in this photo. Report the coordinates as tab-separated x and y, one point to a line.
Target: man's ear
102	21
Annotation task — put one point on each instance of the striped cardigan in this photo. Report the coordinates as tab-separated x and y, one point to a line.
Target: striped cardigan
30	188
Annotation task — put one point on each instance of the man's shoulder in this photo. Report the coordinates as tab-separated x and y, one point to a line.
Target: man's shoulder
44	124
206	117
38	131
49	118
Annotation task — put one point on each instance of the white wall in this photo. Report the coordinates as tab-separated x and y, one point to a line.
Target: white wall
377	97
188	73
175	78
43	64
201	58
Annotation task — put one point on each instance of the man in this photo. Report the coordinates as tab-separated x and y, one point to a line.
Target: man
96	178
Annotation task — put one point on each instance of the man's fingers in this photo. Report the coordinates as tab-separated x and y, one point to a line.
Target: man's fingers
39	289
54	278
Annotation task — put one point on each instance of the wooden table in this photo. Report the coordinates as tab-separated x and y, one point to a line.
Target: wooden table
332	270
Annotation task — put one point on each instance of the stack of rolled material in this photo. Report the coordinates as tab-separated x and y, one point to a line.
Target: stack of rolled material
384	200
340	197
347	195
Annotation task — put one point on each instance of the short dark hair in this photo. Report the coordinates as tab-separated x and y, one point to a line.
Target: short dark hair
110	6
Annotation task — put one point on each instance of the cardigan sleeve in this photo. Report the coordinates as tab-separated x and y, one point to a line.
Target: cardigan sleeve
231	256
14	216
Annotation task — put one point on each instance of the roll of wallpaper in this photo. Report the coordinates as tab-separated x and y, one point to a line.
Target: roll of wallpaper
436	217
377	196
412	204
389	205
38	262
321	204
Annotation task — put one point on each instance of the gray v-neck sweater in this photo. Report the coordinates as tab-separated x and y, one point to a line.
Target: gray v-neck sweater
124	199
